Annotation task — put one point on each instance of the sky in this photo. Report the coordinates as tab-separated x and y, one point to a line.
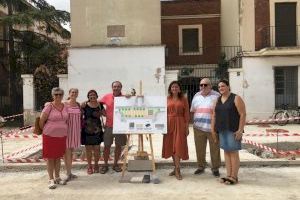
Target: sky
60	4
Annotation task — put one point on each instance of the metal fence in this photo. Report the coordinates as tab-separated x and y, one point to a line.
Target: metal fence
190	76
204	55
279	36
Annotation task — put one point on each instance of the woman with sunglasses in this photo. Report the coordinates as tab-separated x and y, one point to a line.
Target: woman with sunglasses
175	141
228	120
54	122
92	133
74	130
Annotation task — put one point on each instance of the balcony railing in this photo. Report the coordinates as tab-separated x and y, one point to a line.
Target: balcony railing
279	36
204	55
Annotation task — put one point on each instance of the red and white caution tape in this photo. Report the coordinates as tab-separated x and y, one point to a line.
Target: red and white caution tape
261	146
23	160
32	160
13	116
16	132
23	137
38	160
272	134
263	121
23	150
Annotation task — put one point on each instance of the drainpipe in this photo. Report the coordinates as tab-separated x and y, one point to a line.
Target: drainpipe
239	42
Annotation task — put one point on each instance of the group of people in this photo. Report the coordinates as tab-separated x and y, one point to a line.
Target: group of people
67	125
218	118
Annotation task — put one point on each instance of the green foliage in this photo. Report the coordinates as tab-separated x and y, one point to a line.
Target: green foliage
223	65
29	50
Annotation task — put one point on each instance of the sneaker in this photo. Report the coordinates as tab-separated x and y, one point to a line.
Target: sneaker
216	173
60	181
199	171
51	184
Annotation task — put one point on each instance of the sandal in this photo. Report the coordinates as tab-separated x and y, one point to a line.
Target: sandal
224	179
231	181
89	170
71	177
104	169
117	168
60	181
172	173
96	168
178	174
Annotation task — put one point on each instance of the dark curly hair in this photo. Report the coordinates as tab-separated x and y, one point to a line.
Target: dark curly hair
92	91
226	82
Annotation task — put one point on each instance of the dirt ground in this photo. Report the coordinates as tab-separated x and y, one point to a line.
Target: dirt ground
255	183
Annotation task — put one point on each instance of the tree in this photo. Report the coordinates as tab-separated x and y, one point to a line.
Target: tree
223	65
29	49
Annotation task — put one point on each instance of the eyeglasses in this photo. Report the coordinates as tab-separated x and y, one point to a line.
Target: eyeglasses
203	85
58	94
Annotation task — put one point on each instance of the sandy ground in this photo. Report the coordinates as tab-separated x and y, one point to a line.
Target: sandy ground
255	183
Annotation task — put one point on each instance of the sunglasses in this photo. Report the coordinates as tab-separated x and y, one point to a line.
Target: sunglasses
203	85
58	94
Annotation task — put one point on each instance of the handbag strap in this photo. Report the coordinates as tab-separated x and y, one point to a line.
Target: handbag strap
101	118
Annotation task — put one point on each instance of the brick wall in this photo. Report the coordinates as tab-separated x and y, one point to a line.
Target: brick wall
262	24
190	7
210	30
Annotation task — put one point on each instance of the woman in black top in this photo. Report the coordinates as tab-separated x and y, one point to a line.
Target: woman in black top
228	120
92	133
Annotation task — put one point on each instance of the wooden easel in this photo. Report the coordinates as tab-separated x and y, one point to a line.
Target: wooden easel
140	152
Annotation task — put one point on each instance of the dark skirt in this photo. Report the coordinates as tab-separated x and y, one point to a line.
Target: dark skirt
91	139
53	147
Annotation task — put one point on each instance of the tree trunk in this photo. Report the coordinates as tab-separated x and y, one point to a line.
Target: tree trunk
12	65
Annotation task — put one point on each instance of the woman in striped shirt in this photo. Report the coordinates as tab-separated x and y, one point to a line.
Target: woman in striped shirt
74	130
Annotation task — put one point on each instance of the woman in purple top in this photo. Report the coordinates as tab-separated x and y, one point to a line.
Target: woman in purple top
54	122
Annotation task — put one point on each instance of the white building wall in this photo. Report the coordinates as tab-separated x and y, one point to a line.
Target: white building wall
28	99
63	83
236	78
96	68
259	83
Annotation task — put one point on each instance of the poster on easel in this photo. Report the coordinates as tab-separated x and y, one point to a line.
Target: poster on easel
140	115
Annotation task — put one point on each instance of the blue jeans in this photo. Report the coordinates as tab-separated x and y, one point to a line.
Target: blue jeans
228	141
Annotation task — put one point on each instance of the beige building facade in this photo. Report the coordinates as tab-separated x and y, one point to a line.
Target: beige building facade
268	33
122	22
116	40
238	23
